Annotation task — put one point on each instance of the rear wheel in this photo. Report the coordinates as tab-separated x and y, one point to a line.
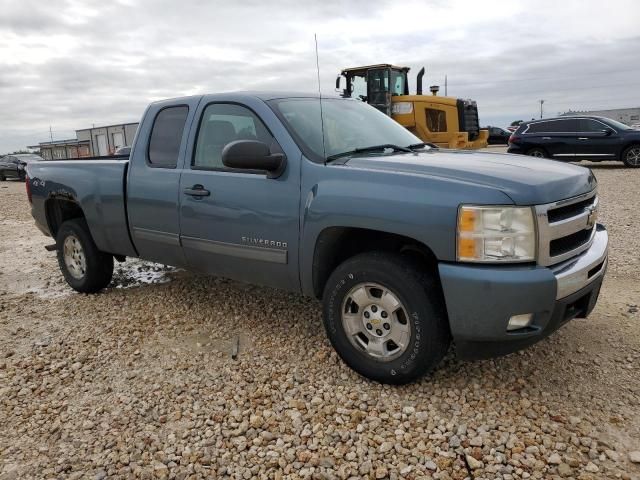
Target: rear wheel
537	152
2	178
385	317
631	156
85	268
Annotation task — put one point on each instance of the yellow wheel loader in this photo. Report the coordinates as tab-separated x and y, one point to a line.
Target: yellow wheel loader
447	122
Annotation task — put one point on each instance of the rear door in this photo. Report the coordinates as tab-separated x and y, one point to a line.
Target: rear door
557	137
593	143
153	181
240	224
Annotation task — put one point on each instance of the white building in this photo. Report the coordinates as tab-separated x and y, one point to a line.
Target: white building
90	142
105	140
628	116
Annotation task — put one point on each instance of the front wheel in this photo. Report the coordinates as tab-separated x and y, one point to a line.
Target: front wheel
631	156
85	268
385	317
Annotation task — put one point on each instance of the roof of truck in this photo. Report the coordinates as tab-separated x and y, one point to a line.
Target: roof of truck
262	95
377	66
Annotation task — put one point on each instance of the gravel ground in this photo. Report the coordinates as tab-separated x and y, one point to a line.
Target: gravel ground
138	381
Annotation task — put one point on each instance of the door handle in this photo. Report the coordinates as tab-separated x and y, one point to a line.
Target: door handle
583	138
546	138
197	191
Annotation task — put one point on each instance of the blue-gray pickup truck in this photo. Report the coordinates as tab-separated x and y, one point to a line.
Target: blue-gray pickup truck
409	247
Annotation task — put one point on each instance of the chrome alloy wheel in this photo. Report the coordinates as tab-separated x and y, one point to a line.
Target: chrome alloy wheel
633	156
376	322
74	258
537	154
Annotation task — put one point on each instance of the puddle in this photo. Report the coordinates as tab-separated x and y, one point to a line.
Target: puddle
135	273
26	268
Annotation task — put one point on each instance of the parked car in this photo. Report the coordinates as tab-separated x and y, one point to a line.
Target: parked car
13	166
407	245
578	138
498	136
122	151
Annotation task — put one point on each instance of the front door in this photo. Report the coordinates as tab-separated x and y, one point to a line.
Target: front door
594	143
233	223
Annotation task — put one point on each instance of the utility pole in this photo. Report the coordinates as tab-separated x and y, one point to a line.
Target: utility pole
541	103
50	134
445	85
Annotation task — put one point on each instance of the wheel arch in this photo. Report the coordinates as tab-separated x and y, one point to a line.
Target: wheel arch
336	244
543	149
60	209
628	145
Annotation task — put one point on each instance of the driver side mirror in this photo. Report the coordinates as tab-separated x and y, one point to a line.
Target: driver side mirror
253	155
607	132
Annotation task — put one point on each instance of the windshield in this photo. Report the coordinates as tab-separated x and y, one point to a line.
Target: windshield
617	125
348	124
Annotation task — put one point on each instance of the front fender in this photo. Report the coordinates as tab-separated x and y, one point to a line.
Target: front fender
418	207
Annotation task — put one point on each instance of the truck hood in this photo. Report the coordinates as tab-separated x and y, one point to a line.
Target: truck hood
526	180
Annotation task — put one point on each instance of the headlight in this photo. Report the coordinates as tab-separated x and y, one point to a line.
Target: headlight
401	107
496	234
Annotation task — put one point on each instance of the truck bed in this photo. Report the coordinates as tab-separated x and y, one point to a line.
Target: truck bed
97	185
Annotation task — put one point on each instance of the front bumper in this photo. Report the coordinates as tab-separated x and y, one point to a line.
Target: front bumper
480	299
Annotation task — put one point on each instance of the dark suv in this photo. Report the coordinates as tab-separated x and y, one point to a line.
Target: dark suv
578	138
13	166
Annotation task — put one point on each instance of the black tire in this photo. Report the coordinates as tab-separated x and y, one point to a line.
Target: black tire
98	266
421	295
2	178
538	152
630	156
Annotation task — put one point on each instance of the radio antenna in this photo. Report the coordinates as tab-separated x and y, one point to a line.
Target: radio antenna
324	149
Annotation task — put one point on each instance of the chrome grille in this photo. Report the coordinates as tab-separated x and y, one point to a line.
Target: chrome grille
566	228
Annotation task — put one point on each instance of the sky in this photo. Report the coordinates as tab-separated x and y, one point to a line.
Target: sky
71	64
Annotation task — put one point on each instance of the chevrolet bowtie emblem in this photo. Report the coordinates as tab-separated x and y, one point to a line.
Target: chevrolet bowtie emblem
592	217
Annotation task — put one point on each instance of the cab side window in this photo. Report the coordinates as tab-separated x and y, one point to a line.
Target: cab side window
166	136
221	124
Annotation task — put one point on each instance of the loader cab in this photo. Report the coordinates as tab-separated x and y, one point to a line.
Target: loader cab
375	84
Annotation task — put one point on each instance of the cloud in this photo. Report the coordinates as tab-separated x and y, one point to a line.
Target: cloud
69	64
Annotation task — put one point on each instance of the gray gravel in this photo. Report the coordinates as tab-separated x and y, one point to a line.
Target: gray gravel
138	382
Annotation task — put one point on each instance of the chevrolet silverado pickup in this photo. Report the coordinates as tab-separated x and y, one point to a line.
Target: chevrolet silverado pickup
409	247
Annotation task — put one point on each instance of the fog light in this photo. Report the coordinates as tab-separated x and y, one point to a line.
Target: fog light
519	321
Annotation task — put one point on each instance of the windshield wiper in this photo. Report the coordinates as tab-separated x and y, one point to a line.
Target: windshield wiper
422	145
372	148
